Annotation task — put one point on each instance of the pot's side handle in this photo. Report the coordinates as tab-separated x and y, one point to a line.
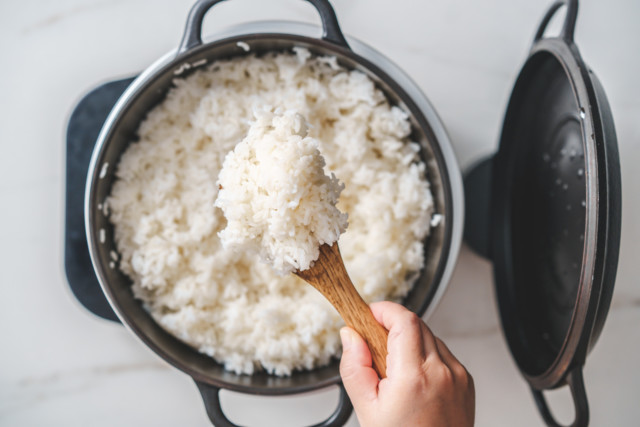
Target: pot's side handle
211	396
342	413
569	26
576	384
192	37
330	28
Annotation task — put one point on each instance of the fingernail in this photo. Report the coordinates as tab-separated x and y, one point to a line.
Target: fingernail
345	336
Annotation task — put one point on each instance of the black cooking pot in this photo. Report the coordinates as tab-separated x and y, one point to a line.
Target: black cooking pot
553	208
151	87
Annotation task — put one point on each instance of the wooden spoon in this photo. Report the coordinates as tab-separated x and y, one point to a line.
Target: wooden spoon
329	276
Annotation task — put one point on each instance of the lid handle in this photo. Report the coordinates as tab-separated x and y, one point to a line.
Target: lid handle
569	21
576	384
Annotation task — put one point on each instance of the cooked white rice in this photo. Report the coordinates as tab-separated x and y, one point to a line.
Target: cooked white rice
275	196
227	303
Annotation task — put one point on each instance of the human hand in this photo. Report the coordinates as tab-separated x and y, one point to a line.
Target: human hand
425	383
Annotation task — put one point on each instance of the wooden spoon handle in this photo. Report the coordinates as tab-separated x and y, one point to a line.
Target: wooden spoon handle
329	276
375	335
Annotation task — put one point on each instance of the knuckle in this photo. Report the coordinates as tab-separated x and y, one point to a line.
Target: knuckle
439	373
446	375
406	322
411	321
463	378
460	371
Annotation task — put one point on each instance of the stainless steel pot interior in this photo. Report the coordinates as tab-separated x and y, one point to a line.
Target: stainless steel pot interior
120	131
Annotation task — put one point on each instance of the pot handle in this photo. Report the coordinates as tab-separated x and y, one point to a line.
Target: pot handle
211	396
192	37
569	26
576	385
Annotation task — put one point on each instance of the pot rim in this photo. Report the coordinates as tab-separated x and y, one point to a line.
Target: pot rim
285	29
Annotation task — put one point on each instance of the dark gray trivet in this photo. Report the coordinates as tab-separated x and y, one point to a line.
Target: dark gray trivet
82	132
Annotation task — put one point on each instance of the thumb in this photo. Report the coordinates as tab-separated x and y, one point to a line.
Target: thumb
358	377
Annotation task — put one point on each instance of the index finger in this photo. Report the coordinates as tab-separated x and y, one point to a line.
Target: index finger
407	345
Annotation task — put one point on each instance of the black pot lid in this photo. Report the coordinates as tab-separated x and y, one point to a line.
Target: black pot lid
555	214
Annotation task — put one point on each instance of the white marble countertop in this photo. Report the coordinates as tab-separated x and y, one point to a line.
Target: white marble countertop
62	366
